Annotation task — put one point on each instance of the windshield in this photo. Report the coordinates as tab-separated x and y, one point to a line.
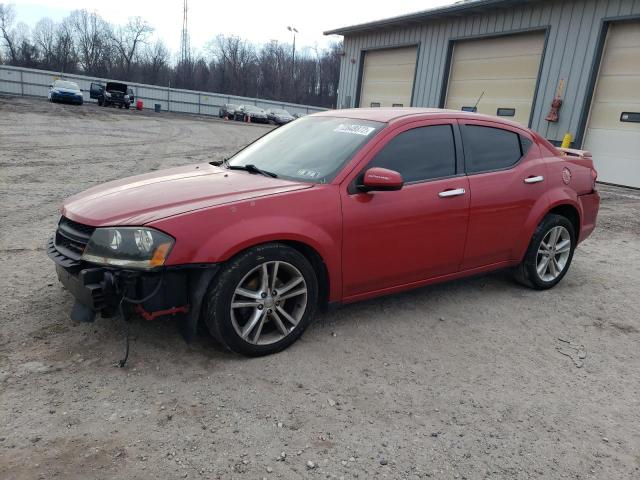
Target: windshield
249	108
280	112
65	84
312	149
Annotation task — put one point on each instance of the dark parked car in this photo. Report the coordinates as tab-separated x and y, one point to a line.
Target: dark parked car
339	206
252	113
65	91
114	93
228	110
279	117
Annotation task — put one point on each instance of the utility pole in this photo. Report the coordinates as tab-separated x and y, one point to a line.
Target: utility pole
293	55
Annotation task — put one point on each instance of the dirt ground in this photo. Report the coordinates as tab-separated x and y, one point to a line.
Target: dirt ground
475	379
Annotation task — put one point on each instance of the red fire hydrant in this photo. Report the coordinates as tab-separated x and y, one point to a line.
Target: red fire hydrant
139	105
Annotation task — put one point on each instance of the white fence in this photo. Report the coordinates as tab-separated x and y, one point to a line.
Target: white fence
27	81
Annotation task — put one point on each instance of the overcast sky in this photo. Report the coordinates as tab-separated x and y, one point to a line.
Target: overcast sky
255	20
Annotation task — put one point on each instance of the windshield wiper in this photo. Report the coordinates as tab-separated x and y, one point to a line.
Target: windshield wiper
251	168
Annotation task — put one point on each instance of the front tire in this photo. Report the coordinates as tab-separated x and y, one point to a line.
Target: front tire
262	300
549	254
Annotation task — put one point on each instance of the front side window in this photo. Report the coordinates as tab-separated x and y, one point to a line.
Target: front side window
489	148
311	149
419	154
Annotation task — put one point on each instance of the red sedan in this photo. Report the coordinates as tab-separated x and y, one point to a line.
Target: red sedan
331	208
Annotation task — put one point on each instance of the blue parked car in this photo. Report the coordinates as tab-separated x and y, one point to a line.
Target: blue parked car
65	91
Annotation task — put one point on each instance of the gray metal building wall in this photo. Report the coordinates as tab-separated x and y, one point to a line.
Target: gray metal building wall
574	29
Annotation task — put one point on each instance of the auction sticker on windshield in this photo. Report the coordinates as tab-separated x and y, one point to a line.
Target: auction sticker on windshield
355	129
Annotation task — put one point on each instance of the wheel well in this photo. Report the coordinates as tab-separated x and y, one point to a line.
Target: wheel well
570	213
318	265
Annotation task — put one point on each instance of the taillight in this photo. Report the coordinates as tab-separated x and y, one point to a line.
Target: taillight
594	177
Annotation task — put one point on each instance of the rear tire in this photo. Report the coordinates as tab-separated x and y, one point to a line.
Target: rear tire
549	254
280	308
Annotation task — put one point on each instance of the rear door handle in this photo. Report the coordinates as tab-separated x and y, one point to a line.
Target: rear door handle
536	179
452	193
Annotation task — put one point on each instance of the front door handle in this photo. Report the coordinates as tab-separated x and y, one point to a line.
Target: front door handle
452	193
536	179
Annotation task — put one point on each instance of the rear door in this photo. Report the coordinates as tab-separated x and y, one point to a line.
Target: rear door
397	238
95	90
506	178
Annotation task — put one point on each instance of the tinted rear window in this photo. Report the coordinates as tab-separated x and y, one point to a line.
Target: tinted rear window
488	148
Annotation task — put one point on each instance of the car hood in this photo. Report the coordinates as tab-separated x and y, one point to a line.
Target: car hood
150	197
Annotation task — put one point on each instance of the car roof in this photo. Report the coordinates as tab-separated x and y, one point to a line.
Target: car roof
388	114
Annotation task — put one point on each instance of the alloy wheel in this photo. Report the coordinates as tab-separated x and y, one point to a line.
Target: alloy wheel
269	302
553	253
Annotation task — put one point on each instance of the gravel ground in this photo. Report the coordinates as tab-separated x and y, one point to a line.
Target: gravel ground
475	379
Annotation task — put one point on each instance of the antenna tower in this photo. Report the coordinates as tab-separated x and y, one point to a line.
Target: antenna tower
184	36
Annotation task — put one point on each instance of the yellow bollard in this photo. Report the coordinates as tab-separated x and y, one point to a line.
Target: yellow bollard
566	140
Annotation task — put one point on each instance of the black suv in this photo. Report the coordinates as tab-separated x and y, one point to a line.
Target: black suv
114	93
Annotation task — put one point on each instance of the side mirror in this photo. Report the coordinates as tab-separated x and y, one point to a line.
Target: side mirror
381	179
51	85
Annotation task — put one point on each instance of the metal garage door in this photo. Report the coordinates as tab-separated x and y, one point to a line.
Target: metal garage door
505	68
387	77
613	131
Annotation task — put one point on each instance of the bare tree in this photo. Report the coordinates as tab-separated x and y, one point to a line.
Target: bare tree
65	53
155	64
91	33
44	37
128	38
7	17
84	42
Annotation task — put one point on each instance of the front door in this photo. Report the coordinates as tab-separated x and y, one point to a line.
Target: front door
96	90
392	239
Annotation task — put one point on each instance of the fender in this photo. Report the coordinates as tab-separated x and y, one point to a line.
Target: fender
269	229
553	198
214	235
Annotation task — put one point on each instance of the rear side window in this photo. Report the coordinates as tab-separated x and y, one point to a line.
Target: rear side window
419	154
489	148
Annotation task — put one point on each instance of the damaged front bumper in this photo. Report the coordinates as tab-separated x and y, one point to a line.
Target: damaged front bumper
168	292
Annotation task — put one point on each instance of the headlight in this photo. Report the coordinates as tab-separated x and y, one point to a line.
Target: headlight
126	97
129	247
107	94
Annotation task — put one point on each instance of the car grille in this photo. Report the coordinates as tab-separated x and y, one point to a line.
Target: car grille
70	240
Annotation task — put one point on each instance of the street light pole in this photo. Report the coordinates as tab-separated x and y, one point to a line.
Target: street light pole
293	55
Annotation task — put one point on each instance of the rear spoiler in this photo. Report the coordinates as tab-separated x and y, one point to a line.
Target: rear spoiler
574	152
